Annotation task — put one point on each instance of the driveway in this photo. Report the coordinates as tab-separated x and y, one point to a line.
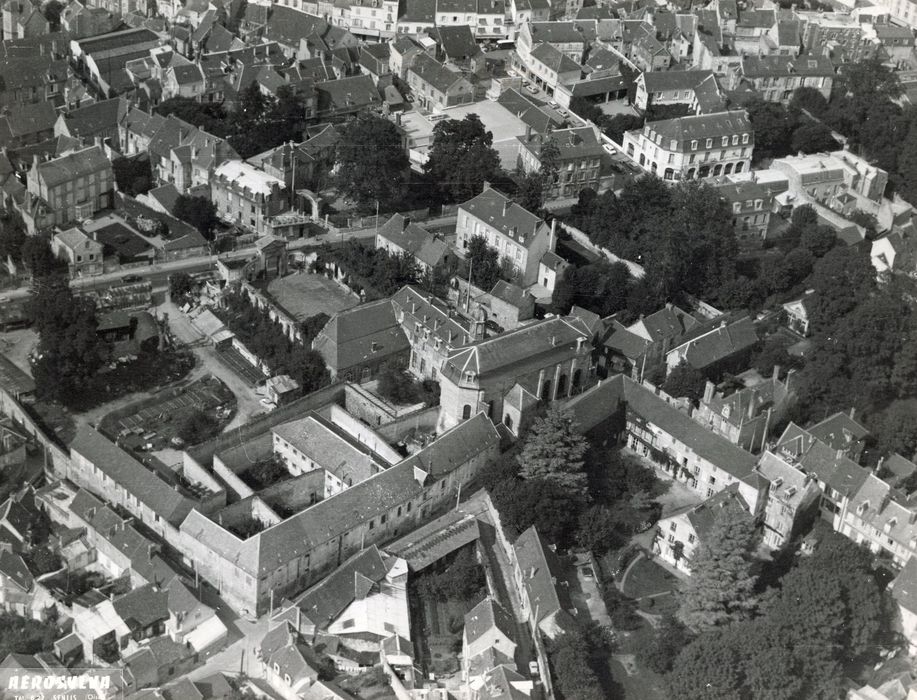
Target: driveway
585	592
248	402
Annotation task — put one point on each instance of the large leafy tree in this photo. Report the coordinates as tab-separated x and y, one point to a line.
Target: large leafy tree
462	157
372	162
813	138
69	350
773	125
721	587
685	381
483	263
200	212
554	450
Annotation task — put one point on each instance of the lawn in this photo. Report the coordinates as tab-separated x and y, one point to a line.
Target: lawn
648	578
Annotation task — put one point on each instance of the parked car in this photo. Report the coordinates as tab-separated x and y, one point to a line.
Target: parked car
532	89
533	668
132	279
587	572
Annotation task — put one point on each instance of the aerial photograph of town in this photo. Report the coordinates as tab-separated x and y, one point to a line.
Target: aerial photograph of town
458	350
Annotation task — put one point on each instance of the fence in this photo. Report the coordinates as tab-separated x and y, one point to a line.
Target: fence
636	270
57	456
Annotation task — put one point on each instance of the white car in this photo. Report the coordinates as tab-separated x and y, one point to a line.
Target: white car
533	668
609	149
553	104
532	89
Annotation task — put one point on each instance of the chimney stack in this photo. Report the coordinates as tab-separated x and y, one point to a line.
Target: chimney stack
505	206
709	388
775	375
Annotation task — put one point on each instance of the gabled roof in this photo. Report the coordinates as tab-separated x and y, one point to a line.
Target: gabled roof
703	516
702	349
414	239
776	65
26	119
130	474
347	93
97	117
682	130
13	568
839	431
359	334
663	81
552	57
486	616
904	587
142	606
431	71
837	471
540	572
503	214
73	165
324	602
457	42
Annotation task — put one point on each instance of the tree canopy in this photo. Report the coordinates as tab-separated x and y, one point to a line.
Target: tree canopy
554	450
462	157
69	350
372	163
720	589
198	211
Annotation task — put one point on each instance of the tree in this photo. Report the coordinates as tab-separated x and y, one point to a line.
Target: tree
573	658
530	195
52	11
685	381
210	117
773	124
896	428
21	635
809	99
12	237
554	450
813	138
547	504
37	257
599	531
200	212
907	165
658	652
818	239
601	287
483	263
197	427
721	587
133	175
371	162
69	350
397	386
615	127
462	157
181	285
587	110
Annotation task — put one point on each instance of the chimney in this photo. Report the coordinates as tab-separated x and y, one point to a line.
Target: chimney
406	222
853	412
775	375
505	206
709	388
751	405
528	133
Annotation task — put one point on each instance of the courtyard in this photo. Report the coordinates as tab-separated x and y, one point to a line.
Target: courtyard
305	294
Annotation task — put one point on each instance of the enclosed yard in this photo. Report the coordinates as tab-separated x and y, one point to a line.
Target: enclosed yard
152	424
305	294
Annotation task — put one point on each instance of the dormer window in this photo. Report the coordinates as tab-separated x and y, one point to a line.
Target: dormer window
725	141
744	138
862	507
694	145
890	525
709	143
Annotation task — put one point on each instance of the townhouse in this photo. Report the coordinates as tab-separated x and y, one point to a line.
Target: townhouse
776	77
692	147
578	157
64	189
751	204
82	254
538	580
746	416
247	196
722	345
516	234
657	88
678	535
401	236
668	438
436	86
431	328
791	501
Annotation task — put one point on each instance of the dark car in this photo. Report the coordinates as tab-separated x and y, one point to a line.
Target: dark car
132	279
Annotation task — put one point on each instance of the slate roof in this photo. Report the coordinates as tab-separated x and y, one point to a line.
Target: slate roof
457	42
576	32
503	214
455	447
552	57
703	348
838	472
512	352
74	165
666	324
316	438
97	117
366	332
26	119
573	144
337	514
347	94
778	66
414	239
529	111
13	567
839	431
628	344
130	474
665	80
420	11
904	588
431	71
413	309
683	130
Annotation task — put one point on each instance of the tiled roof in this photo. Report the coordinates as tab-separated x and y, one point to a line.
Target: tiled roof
316	438
96	117
143	606
324	602
413	308
839	431
128	473
703	516
576	32
13	567
668	323
628	344
575	143
455	447
837	471
347	93
540	570
414	239
27	119
457	42
484	617
510	293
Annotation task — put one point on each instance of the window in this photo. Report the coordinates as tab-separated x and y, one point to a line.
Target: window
725	141
466	412
673	526
744	138
694	145
712	480
372	524
735	139
709	143
691	539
